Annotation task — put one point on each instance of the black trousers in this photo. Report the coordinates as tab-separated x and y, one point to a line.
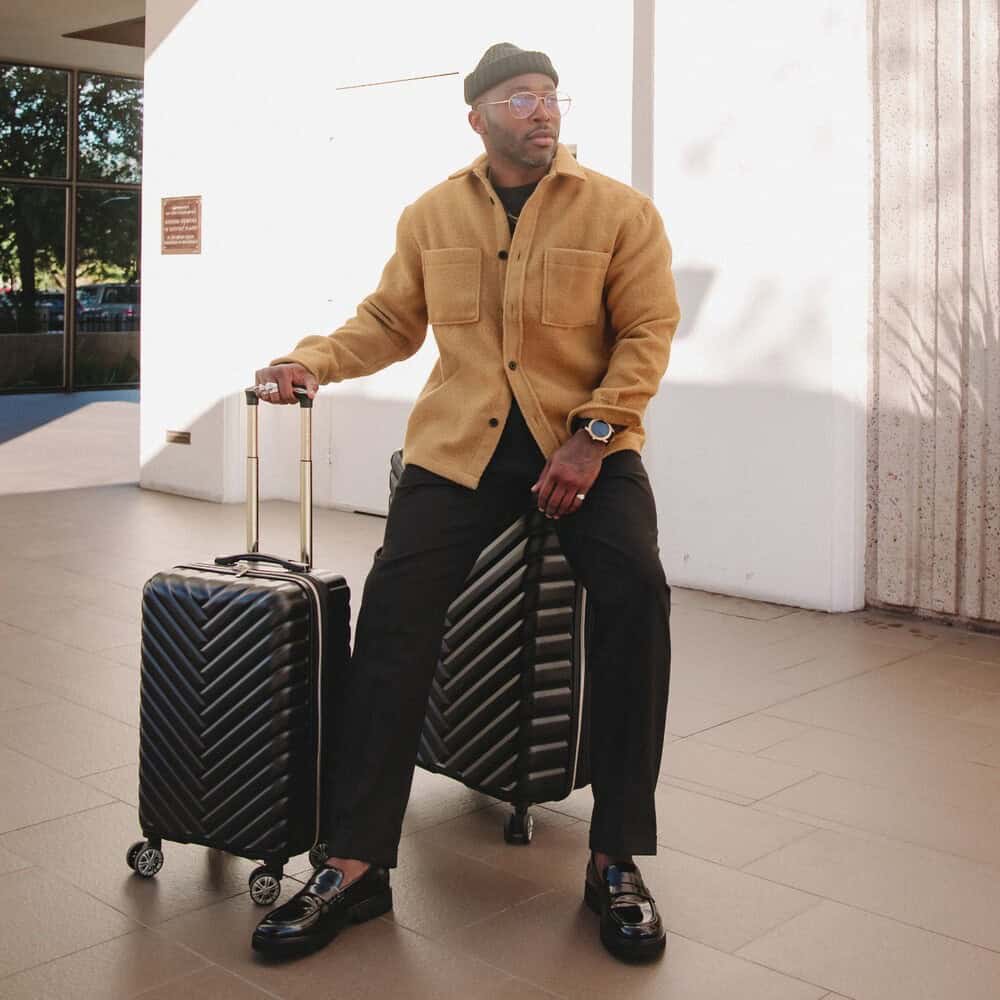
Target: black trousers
433	536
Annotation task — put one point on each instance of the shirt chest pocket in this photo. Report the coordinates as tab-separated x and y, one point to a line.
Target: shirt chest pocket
451	284
573	286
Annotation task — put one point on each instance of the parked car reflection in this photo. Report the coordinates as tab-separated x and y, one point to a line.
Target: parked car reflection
107	307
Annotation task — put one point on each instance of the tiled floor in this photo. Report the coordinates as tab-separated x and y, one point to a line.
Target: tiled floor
829	807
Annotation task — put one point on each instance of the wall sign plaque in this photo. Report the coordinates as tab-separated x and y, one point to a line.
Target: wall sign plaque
181	229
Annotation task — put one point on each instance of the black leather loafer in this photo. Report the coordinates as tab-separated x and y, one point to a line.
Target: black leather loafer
314	915
630	924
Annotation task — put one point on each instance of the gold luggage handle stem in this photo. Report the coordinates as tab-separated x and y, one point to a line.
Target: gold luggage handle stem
305	475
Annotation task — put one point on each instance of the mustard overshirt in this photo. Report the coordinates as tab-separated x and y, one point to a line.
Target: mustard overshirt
573	315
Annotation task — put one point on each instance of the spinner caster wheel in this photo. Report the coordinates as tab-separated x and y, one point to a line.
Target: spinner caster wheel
265	885
318	854
143	859
518	827
133	852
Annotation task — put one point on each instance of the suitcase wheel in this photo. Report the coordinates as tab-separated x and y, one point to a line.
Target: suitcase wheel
518	827
144	859
318	854
265	885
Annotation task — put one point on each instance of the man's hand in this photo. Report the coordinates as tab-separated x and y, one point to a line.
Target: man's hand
572	469
286	376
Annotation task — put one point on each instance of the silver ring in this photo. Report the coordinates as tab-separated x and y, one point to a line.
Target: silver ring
266	388
581	496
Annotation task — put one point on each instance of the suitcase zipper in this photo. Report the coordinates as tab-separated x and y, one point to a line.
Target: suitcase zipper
310	586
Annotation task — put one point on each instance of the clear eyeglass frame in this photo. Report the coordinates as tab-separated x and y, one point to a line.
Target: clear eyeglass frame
524	104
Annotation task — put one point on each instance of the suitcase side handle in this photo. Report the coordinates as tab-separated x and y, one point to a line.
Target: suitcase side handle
305	477
257	557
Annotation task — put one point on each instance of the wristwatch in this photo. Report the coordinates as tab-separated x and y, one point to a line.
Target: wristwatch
599	430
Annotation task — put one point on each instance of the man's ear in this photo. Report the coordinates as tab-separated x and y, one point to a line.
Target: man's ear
476	121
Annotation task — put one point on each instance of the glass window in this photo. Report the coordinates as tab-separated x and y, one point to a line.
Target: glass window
32	284
110	128
107	287
33	117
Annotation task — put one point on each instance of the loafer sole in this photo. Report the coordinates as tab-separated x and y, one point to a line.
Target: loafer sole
367	909
639	949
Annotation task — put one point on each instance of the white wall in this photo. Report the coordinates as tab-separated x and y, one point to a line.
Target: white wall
302	185
756	441
762	172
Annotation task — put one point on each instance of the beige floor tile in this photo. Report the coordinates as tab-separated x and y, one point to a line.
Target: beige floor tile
751	733
207	984
555	860
79	677
81	628
906	817
552	940
973	646
874	958
129	655
579	804
17	694
376	960
700	900
914	885
115	600
436	890
985	713
33	793
989	755
435	798
729	769
689	715
91	850
515	989
715	793
121	782
849	711
71	739
720	831
10	862
954	670
43	918
738	606
112	566
114	970
479	834
890	765
850	645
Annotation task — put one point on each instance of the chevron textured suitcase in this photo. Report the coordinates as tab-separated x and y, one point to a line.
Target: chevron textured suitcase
509	705
235	656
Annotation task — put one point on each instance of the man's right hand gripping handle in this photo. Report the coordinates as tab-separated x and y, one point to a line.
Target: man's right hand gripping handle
285	377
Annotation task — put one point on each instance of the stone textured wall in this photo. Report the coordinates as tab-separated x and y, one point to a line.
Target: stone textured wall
934	446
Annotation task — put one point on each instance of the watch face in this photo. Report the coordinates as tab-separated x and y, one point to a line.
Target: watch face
600	428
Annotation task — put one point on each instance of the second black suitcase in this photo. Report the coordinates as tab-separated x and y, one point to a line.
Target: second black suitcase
508	711
236	655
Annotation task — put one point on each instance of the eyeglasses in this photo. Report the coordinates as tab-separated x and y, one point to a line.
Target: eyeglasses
524	105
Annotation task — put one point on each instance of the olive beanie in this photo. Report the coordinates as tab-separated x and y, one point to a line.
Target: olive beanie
502	61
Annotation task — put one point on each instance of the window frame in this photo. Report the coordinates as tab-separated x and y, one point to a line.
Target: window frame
71	184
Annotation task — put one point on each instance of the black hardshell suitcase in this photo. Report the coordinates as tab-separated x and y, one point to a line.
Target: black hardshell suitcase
235	657
508	711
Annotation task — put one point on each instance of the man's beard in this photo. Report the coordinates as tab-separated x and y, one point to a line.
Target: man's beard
522	154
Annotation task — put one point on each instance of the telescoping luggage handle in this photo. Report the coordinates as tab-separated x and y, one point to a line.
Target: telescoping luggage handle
305	479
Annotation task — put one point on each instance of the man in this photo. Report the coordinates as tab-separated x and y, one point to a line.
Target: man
549	290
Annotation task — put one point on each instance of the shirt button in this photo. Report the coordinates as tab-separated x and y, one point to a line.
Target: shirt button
494	422
502	255
512	365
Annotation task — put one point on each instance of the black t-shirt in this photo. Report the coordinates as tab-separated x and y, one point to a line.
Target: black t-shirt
513	200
